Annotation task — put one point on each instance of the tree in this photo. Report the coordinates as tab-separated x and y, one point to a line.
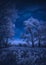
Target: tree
36	24
32	24
43	33
6	31
7	25
29	29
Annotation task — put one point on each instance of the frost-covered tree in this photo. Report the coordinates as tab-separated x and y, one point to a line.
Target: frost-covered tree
33	25
43	33
7	25
7	30
29	30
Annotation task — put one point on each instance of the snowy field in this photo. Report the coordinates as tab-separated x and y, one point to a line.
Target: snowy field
22	56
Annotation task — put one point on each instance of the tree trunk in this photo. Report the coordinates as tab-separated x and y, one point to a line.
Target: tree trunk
6	43
32	40
39	44
7	40
32	37
1	41
39	40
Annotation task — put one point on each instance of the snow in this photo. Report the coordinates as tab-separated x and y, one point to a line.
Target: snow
17	41
23	56
32	22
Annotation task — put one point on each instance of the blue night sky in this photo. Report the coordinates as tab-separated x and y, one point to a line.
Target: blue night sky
25	9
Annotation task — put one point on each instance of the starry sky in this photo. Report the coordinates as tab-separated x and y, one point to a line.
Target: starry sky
21	10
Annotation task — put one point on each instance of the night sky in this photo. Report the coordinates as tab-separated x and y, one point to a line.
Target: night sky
24	10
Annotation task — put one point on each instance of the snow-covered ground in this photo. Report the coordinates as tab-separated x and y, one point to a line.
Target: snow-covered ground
21	41
22	56
17	41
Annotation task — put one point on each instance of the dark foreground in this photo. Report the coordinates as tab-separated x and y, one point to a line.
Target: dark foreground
22	56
